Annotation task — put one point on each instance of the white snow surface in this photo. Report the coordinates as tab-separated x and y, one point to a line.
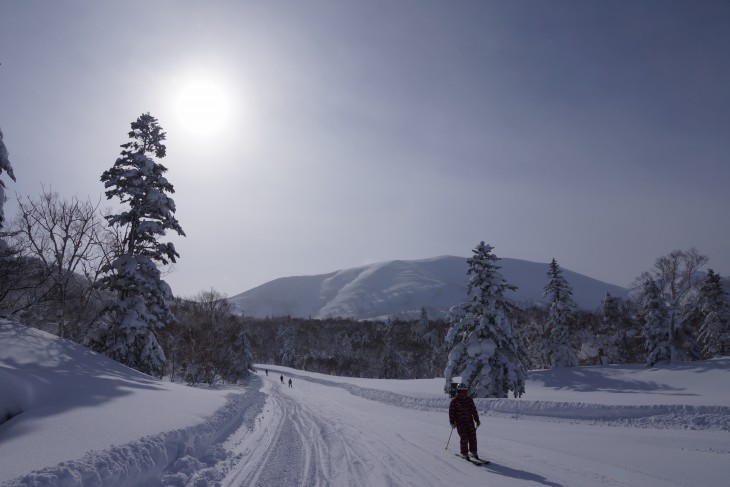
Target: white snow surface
402	288
71	417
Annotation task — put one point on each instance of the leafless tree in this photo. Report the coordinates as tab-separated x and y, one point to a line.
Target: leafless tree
69	240
207	342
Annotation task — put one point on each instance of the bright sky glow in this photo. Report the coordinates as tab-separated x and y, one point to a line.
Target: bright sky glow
203	105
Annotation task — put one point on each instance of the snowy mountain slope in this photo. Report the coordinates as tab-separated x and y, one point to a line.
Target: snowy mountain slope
402	287
74	418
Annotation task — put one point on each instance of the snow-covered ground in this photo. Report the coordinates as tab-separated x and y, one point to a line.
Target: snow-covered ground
73	417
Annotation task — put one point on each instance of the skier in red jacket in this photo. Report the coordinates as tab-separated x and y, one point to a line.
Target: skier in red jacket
462	416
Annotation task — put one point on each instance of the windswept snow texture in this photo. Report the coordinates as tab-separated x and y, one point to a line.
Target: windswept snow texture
74	418
401	288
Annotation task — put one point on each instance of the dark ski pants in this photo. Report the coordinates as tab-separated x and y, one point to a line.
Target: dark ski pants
468	437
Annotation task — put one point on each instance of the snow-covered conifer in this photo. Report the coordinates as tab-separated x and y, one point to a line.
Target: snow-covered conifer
393	365
285	337
137	180
141	305
422	332
243	361
558	347
421	329
129	333
484	348
714	336
344	353
610	313
611	333
4	166
345	349
657	327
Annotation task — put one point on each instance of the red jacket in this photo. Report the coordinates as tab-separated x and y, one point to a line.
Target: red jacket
463	411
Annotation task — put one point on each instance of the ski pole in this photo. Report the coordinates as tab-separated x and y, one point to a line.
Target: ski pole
447	443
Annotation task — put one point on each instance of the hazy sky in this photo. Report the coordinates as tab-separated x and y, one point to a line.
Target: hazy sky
595	132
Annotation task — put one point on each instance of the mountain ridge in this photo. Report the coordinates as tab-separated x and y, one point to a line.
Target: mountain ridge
400	288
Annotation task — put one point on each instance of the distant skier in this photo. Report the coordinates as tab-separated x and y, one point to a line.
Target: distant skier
267	372
282	378
462	416
289	382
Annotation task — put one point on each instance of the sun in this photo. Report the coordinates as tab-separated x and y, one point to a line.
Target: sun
203	105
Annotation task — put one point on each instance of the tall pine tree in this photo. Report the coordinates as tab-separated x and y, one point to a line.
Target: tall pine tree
714	336
243	361
657	326
393	364
141	305
4	166
610	314
484	348
558	348
286	338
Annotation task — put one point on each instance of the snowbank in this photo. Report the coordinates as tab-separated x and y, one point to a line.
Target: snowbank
96	422
174	456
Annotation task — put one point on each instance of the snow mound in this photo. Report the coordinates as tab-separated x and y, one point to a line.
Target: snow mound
174	456
69	416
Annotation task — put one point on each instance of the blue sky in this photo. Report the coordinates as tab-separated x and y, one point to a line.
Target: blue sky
593	132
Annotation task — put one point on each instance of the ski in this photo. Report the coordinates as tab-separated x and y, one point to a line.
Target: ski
470	459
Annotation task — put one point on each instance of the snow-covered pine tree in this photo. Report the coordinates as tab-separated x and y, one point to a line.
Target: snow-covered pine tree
609	335
4	166
657	327
141	305
430	337
344	351
610	313
558	348
393	365
12	271
243	359
285	336
421	328
714	336
484	348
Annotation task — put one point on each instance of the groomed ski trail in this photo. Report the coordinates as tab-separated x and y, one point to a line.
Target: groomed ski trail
317	434
302	439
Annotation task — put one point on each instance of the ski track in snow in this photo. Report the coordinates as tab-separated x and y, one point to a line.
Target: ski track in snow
324	433
319	434
313	446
